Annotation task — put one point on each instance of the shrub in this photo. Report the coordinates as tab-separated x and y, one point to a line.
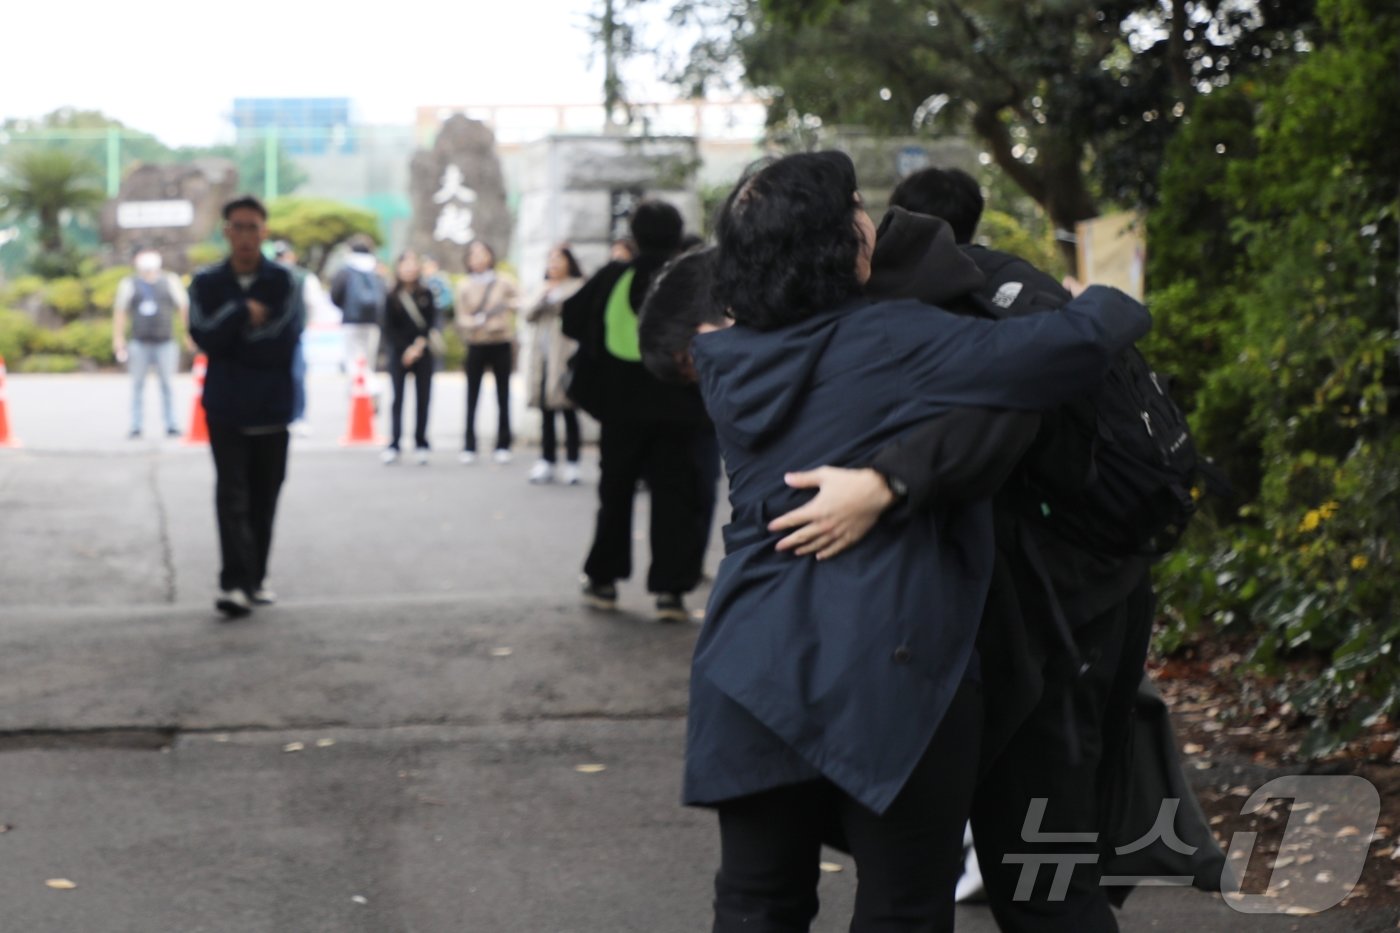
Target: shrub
67	297
22	288
102	287
48	363
17	335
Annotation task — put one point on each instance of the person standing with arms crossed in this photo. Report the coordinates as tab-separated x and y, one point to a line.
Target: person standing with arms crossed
247	314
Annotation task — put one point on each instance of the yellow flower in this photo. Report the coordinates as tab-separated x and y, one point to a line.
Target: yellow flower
1359	562
1311	520
1329	509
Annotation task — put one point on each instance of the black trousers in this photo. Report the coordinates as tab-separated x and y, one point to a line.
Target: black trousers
249	470
422	392
908	859
496	357
1037	764
549	439
664	453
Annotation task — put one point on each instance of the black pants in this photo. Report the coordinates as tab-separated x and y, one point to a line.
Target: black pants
422	392
549	439
1037	763
497	358
664	453
249	469
908	859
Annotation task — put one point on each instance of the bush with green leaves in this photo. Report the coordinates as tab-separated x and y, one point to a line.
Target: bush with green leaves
17	335
67	296
1283	296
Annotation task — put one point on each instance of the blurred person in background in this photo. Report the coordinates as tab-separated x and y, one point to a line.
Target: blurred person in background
485	313
550	352
410	330
148	301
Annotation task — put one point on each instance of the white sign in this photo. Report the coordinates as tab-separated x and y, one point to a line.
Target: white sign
142	215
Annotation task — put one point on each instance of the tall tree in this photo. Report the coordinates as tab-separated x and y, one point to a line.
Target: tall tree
1073	99
44	185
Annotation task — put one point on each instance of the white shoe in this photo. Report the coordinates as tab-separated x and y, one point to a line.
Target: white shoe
572	477
467	457
233	604
420	456
264	596
301	429
389	456
502	456
542	472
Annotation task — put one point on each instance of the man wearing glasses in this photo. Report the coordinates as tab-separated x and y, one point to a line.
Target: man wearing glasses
247	314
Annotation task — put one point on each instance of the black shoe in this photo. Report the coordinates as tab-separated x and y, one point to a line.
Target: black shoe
670	607
600	595
134	436
172	432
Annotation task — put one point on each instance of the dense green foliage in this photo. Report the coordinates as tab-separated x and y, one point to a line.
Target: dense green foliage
1274	260
316	226
42	186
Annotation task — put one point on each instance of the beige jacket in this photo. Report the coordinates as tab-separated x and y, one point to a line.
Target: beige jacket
486	313
548	359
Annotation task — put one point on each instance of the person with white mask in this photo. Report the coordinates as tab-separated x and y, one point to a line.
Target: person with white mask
147	302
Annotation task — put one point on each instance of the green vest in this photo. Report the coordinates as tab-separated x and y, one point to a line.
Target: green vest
620	322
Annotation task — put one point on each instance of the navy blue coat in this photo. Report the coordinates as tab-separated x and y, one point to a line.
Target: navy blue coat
249	383
844	668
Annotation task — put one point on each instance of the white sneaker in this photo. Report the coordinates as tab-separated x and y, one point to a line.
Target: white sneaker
542	472
467	457
300	429
572	476
264	596
389	456
502	456
233	604
420	456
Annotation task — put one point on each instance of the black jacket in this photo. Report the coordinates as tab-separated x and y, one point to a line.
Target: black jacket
249	383
811	669
608	388
400	329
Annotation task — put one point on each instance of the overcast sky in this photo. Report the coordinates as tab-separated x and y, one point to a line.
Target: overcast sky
173	67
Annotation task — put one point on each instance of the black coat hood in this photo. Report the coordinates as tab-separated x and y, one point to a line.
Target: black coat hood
917	257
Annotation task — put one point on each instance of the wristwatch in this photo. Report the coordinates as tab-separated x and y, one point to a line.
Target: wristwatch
898	488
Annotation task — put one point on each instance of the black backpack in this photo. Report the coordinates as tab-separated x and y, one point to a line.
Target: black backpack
1144	473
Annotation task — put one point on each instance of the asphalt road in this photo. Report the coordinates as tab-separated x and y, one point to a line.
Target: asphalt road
409	742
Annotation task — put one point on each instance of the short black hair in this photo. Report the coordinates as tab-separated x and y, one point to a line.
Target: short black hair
679	301
244	202
787	240
657	227
949	193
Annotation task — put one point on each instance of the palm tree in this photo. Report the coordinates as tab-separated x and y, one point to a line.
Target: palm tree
45	184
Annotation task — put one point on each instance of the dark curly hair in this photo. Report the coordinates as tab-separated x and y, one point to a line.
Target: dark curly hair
678	302
787	240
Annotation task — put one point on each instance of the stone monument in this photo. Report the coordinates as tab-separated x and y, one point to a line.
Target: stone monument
580	190
458	194
168	207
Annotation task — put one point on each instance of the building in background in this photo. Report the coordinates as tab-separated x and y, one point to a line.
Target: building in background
301	125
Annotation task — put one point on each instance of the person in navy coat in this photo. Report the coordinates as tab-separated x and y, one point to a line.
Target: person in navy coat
843	693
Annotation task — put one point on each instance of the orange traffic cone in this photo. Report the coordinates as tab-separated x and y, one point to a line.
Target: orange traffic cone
6	438
198	432
361	430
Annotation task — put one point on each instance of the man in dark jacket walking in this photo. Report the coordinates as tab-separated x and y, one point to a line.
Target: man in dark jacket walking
247	314
649	429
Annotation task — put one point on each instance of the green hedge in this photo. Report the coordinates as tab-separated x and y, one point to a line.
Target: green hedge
1273	264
